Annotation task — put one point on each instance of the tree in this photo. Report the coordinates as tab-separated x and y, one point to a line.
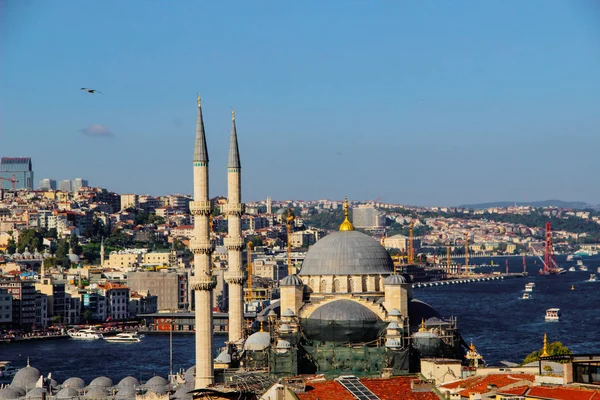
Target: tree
62	249
87	315
74	243
11	247
554	349
256	241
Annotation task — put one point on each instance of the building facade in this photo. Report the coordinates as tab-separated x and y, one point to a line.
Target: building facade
16	171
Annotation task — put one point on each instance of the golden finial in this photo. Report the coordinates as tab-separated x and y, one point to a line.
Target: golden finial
472	347
232	114
545	348
211	223
422	328
199	101
261	326
346	225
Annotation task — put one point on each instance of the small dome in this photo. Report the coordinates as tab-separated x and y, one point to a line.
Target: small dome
347	253
223	358
283	344
393	343
344	310
128	381
67	393
74	382
26	253
291	280
74	258
288	313
394	313
96	393
35	393
258	341
126	393
101	381
53	383
37	255
183	391
20	390
284	328
9	393
393	325
156	380
394	280
26	378
190	374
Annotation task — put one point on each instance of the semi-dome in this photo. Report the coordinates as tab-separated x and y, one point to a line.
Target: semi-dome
419	310
347	253
394	280
26	378
101	381
96	393
128	381
343	321
190	374
74	382
9	393
291	280
183	391
223	358
258	341
67	393
126	393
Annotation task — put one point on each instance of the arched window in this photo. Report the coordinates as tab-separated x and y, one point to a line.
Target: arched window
350	285
377	284
364	284
323	286
336	286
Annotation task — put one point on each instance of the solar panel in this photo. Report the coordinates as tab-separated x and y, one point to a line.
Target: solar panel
358	390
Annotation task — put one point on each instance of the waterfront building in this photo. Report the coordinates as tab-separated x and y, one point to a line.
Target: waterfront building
117	300
5	308
47	184
18	169
171	288
23	302
55	292
142	303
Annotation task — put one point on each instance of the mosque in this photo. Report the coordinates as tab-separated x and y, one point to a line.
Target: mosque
346	311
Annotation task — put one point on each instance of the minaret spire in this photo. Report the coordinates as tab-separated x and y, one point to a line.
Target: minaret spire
203	281
234	209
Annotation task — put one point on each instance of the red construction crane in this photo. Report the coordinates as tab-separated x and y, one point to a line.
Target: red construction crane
12	180
549	264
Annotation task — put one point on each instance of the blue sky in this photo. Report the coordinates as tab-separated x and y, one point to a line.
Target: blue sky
421	102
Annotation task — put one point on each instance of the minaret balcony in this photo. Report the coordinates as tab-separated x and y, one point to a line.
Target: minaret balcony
233	243
203	282
233	209
200	208
202	246
234	277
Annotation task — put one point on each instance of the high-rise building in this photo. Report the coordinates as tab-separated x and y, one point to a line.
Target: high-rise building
269	205
47	184
368	217
78	183
16	171
64	186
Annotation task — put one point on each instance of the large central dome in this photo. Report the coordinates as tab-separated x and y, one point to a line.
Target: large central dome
347	253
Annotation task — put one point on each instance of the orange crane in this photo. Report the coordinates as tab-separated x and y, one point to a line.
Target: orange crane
249	271
289	221
12	180
411	249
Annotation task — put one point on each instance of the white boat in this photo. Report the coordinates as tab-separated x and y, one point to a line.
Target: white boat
583	268
529	287
526	296
124	338
86	334
572	269
552	315
598	270
592	278
7	371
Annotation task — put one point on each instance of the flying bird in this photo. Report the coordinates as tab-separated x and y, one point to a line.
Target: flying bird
91	90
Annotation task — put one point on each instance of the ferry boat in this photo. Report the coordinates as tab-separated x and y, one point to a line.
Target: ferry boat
526	296
529	287
552	315
592	278
572	269
7	371
87	334
124	338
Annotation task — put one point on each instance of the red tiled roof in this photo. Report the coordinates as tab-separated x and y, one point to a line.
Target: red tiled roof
111	285
479	384
563	393
517	391
386	389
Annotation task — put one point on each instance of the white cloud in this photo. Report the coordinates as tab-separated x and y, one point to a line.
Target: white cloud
97	131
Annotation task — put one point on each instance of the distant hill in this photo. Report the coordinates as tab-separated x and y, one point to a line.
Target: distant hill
544	203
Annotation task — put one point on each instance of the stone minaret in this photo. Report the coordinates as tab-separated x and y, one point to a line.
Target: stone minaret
102	253
202	282
234	242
